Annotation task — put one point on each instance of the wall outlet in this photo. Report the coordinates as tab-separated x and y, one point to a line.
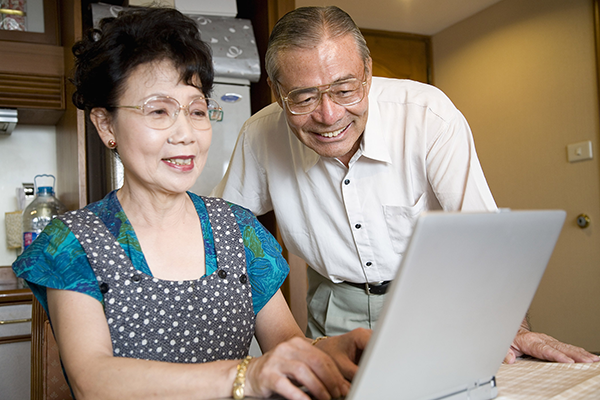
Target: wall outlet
579	151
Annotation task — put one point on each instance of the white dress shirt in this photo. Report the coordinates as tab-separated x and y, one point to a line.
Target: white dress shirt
353	224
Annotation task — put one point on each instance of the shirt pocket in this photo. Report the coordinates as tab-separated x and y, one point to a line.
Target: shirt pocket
400	221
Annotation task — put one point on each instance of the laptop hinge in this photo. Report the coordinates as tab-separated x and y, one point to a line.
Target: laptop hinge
478	391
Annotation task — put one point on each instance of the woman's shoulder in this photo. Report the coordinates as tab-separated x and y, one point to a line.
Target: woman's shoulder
55	259
56	238
242	214
248	223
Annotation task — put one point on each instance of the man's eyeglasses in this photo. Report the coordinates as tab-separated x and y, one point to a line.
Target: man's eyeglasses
160	112
345	93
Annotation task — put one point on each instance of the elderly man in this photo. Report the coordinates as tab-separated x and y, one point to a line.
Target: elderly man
347	162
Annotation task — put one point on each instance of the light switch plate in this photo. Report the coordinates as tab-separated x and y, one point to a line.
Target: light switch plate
579	151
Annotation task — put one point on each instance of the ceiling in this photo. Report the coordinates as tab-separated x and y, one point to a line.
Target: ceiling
424	17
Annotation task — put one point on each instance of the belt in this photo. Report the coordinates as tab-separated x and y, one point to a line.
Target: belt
371	288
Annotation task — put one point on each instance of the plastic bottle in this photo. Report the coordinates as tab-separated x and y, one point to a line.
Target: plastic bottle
40	212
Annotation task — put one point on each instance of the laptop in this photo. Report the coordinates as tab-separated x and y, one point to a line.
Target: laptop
455	305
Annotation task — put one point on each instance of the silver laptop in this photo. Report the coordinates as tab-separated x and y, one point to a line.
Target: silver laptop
464	286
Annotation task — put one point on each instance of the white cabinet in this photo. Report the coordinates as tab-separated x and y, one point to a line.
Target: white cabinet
15	346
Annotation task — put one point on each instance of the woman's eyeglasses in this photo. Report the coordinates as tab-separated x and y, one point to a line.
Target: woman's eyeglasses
160	112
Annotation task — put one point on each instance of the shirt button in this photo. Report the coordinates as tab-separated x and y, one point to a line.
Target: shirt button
369	263
222	274
357	226
347	182
136	278
243	279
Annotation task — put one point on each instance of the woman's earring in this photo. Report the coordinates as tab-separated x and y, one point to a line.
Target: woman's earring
112	144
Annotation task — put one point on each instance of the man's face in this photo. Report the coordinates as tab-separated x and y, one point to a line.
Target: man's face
331	130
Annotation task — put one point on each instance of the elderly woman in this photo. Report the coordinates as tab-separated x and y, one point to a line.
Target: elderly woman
154	291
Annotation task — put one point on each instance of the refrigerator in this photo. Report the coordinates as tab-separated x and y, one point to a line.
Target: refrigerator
233	95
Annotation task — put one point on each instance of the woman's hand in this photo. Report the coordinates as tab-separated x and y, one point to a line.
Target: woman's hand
292	363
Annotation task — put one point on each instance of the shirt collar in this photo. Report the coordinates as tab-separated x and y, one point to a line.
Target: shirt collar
373	143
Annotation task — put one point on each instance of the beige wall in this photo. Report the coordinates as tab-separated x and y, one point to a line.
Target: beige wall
524	75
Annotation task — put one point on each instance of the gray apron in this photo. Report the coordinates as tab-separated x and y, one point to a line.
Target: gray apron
208	319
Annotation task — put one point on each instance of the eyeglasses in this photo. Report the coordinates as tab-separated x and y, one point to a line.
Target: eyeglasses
160	112
345	93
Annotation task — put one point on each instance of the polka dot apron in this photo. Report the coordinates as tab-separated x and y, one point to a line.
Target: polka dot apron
208	319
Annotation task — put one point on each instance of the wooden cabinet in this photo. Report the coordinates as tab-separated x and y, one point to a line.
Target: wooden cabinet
48	30
72	176
32	81
32	71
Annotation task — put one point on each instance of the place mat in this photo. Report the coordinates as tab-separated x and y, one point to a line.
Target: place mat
533	380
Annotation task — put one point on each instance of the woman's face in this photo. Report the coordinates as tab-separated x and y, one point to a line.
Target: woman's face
168	160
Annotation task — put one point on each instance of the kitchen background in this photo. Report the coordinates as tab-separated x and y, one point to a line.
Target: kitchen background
524	73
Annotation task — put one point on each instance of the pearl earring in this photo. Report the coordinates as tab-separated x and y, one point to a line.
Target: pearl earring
112	144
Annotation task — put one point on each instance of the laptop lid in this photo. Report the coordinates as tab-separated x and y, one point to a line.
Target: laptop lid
464	286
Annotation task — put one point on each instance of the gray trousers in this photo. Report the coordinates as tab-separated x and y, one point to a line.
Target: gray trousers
337	308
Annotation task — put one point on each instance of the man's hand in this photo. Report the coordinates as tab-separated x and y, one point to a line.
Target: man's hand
346	350
545	347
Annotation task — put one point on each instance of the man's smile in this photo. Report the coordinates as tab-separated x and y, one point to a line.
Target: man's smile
332	133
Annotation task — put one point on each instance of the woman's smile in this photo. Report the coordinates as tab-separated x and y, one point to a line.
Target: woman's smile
183	163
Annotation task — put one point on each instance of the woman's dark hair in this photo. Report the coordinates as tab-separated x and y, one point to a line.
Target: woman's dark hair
106	56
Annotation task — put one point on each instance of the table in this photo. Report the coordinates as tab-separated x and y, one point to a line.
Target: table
529	379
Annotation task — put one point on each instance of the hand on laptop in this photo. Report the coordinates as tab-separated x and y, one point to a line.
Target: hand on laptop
346	350
545	347
291	364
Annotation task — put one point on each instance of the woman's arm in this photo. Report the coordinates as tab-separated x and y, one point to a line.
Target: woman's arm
275	324
85	347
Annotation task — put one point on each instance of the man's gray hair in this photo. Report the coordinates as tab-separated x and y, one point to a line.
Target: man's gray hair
307	27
